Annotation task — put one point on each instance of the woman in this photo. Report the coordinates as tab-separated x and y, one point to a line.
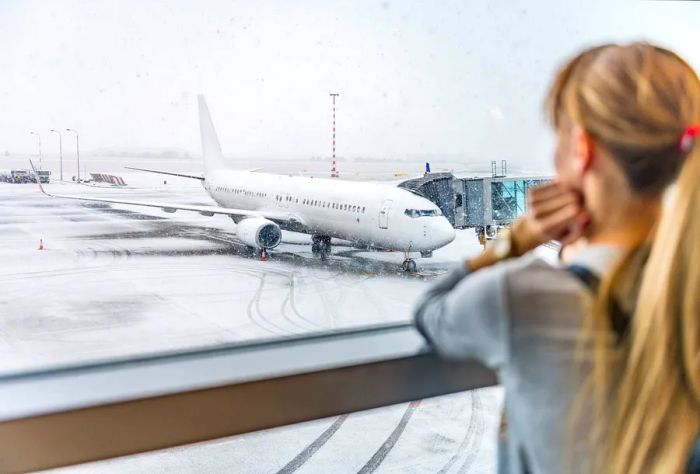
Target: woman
598	377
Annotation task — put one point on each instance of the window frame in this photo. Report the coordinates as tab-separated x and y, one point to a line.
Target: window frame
74	414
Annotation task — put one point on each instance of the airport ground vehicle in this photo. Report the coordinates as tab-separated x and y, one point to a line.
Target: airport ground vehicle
24	176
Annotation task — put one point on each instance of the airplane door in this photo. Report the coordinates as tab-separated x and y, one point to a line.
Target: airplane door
384	214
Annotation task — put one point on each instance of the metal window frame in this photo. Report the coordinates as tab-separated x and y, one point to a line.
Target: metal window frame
76	414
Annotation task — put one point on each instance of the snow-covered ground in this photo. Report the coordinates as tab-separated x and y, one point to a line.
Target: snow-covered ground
118	280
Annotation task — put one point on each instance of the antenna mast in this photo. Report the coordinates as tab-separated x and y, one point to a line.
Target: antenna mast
334	170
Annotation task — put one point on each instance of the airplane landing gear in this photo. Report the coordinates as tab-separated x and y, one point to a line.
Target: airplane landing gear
409	265
321	246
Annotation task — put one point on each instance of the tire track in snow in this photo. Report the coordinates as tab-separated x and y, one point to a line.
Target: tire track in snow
475	419
290	301
477	436
386	447
311	449
254	303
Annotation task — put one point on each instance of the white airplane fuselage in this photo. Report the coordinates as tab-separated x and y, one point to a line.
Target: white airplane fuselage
372	214
262	204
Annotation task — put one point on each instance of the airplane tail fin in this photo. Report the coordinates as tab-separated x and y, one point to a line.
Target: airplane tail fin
211	149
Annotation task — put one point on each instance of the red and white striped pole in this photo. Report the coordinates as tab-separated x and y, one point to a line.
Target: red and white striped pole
334	170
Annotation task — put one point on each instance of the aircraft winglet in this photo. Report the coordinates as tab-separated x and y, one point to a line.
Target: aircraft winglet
38	181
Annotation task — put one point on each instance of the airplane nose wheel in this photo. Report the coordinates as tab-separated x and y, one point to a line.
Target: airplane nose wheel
321	246
409	265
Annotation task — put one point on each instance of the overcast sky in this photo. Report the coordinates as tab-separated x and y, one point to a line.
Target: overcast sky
443	78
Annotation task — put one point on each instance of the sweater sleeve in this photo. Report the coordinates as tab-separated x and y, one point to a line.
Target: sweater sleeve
463	315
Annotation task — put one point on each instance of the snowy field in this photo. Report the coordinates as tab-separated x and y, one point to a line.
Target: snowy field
116	280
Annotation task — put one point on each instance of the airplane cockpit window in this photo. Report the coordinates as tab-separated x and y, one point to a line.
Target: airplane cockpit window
422	212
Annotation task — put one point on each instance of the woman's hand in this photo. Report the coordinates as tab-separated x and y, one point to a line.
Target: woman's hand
555	212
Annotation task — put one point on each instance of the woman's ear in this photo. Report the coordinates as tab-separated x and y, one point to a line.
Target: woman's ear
583	150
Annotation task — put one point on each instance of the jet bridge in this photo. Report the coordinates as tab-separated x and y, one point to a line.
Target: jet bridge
485	203
490	203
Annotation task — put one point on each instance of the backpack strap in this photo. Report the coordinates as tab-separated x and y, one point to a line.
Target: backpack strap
620	323
619	320
694	462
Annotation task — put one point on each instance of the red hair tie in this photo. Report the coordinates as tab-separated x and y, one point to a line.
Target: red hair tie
688	137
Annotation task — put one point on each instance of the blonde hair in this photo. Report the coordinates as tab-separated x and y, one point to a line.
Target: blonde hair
636	101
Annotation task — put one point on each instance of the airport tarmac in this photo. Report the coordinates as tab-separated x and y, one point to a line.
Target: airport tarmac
117	280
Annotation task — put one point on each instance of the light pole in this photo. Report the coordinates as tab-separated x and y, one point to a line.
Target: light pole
77	148
60	151
38	137
334	170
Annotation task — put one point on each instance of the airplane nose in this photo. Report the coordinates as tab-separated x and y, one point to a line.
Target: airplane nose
443	233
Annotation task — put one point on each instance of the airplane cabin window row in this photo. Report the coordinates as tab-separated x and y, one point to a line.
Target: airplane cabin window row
307	202
244	192
334	205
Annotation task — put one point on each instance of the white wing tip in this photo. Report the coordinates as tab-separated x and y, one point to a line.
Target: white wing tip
36	177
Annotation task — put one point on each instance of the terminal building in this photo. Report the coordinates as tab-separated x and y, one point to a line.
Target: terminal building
491	203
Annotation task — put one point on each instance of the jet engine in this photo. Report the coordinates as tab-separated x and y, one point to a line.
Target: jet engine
259	232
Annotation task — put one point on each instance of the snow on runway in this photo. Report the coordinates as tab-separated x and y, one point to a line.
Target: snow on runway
119	280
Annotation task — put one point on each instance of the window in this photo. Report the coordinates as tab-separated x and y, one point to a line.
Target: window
422	212
187	279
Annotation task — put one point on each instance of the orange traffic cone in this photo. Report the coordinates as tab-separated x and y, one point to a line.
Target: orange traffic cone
263	255
41	244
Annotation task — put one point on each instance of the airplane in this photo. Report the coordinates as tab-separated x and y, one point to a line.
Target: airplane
262	205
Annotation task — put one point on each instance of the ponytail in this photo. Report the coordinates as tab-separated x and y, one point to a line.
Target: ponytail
653	417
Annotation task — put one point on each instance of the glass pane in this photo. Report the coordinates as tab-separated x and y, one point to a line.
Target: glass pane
114	85
276	206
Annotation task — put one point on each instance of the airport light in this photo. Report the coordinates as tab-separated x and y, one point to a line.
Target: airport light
77	148
60	151
38	137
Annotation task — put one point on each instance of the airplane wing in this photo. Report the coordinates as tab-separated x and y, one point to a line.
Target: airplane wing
286	220
181	175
